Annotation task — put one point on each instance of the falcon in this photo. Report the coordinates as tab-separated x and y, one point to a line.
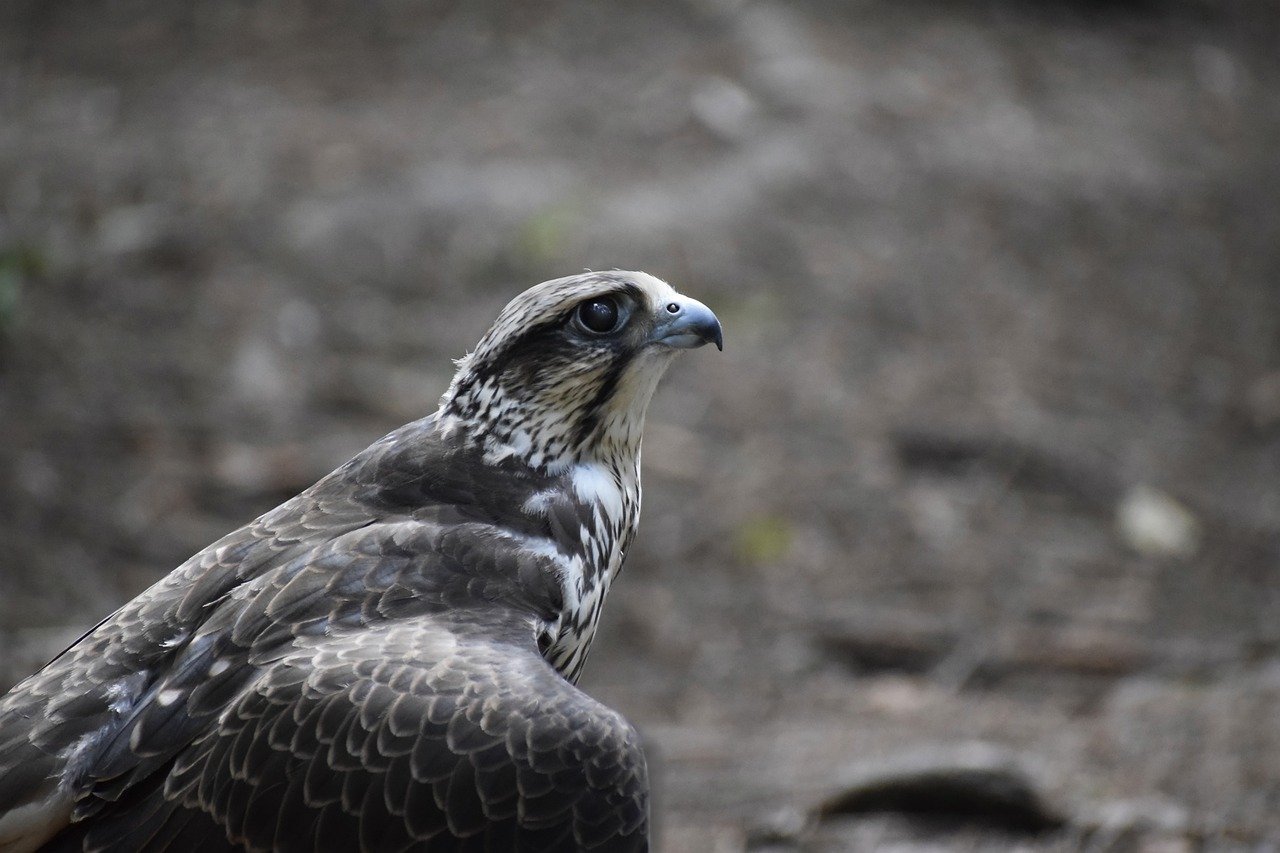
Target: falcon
386	662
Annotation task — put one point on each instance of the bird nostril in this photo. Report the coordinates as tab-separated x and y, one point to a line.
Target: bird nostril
673	308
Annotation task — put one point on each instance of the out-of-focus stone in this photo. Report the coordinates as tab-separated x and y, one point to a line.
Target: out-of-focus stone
870	641
1153	523
132	228
723	107
975	783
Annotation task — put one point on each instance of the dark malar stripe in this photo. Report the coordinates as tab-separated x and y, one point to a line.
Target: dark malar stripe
590	421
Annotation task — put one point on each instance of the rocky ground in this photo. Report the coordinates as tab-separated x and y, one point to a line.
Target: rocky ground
971	538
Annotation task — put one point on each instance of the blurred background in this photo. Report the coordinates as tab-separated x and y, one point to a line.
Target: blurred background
970	540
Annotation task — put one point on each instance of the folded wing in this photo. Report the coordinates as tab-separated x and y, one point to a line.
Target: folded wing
447	732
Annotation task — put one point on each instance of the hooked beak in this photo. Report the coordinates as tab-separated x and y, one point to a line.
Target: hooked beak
686	323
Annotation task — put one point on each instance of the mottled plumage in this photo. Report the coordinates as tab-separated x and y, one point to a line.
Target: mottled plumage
387	661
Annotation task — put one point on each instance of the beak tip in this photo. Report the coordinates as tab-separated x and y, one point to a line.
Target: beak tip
713	332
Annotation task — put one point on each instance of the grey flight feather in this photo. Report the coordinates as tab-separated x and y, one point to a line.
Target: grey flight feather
387	661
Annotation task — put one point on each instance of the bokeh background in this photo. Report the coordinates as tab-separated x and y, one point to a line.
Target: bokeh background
970	540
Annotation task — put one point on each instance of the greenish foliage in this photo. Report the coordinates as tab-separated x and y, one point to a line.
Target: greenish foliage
764	539
19	267
544	235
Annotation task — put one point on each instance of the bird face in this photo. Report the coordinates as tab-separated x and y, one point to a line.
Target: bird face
570	365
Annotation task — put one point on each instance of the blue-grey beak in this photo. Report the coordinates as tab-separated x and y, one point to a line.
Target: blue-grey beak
686	323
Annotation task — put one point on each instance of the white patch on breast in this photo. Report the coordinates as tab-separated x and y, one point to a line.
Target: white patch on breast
568	567
572	581
596	486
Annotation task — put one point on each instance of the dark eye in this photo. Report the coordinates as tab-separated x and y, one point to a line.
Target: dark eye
599	316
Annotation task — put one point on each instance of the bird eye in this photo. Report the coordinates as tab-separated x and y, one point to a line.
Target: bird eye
599	316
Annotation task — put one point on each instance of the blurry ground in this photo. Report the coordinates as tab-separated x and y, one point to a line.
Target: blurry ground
971	538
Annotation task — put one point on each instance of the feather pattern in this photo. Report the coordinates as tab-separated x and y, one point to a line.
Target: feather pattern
387	661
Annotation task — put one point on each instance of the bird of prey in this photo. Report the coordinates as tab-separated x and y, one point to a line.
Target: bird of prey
386	662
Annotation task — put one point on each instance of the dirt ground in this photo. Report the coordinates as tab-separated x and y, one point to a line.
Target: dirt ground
970	540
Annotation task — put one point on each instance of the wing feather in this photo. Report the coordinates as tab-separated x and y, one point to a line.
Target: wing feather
347	671
487	746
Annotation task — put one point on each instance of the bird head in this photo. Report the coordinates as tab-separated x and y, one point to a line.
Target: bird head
567	370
